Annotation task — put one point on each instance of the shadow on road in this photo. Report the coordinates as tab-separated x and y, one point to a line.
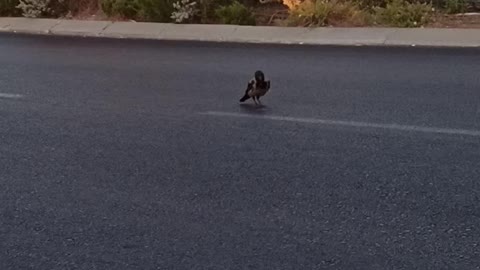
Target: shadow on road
254	109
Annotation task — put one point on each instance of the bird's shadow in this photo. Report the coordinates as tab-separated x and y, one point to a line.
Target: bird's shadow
254	109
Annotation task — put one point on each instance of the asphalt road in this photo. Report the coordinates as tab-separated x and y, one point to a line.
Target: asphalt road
136	155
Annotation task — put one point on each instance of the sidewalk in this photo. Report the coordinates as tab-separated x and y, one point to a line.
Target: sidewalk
247	34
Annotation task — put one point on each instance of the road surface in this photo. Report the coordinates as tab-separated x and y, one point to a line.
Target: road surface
119	154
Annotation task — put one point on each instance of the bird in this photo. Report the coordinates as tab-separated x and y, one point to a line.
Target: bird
256	88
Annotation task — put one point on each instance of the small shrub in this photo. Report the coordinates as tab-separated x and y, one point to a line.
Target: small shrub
184	11
124	8
208	9
309	13
455	6
58	8
50	8
328	12
369	5
291	4
399	13
9	8
34	8
107	7
235	13
155	10
149	10
78	6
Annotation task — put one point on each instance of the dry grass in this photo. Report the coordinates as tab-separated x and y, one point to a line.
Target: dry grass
456	21
329	13
400	13
83	8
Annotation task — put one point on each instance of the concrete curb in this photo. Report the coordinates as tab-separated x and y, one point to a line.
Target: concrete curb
247	34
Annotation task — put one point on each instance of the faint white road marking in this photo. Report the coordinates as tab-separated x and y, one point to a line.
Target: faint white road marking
436	130
7	95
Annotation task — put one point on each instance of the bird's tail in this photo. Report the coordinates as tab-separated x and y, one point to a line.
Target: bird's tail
245	97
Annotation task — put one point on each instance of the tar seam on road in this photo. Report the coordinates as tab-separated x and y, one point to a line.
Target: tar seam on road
7	95
329	122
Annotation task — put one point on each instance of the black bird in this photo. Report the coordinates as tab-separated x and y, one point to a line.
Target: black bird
256	88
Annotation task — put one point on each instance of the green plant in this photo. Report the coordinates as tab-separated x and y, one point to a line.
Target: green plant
235	13
147	10
44	8
400	13
40	8
123	8
184	11
78	6
328	12
155	10
370	4
107	7
9	8
455	6
207	9
58	8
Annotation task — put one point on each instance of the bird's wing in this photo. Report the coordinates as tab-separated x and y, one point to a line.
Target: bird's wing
250	85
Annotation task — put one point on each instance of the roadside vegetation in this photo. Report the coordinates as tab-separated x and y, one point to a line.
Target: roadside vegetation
306	13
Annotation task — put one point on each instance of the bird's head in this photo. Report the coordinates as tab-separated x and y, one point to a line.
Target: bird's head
259	76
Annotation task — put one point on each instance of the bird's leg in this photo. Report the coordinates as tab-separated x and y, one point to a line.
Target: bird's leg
255	100
259	102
